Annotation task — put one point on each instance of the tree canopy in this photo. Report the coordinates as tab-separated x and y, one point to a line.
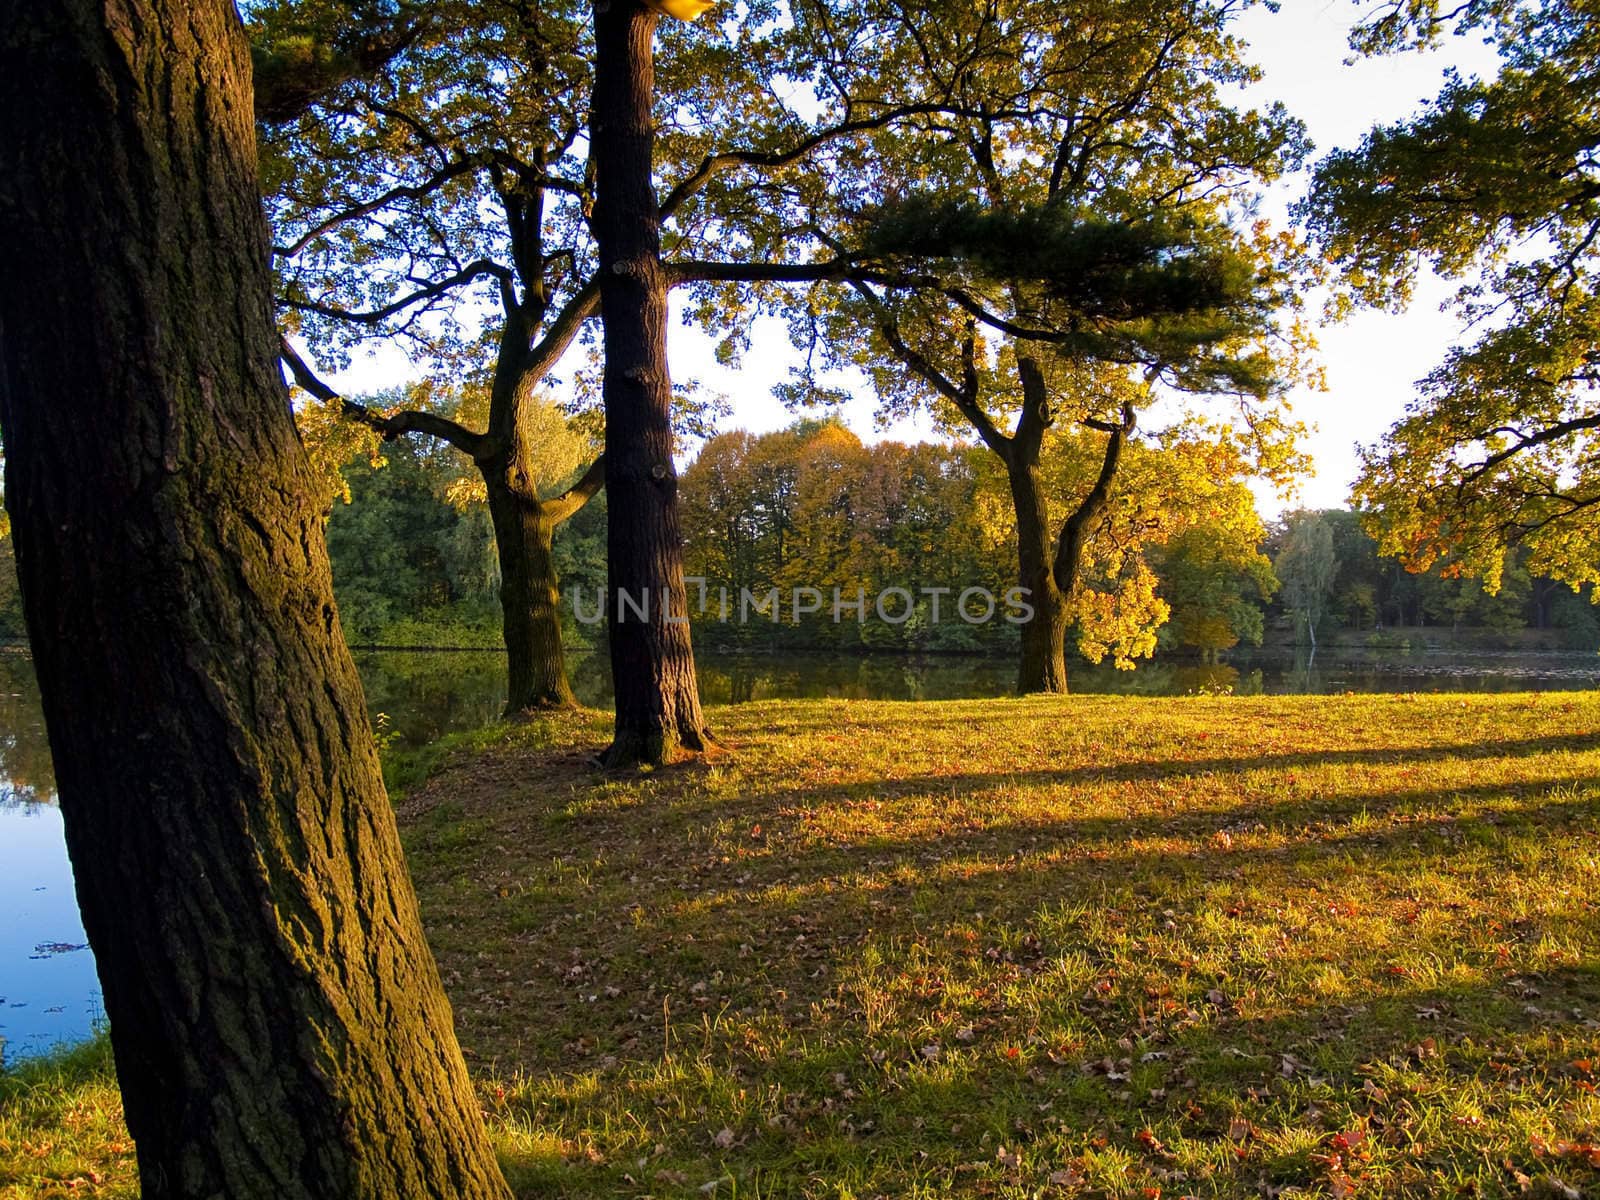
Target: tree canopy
1069	244
1496	183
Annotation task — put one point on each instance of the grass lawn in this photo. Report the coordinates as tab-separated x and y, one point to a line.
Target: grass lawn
1343	946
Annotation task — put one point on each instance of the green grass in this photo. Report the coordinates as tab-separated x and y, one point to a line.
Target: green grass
1018	948
61	1131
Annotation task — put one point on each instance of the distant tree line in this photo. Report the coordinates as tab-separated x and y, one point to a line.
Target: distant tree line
1334	576
813	507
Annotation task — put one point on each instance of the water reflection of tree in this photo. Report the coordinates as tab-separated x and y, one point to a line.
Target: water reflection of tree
27	775
426	695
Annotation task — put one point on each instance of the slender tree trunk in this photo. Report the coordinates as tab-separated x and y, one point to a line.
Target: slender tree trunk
652	664
278	1022
1043	666
530	602
1051	578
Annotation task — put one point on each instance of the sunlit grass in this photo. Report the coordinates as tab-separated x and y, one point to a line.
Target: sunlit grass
1088	946
61	1131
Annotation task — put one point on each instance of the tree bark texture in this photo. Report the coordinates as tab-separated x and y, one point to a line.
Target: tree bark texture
277	1018
652	663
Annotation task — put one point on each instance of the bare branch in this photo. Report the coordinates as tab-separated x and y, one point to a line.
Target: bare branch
375	316
1074	530
964	397
716	164
585	303
390	426
408	192
735	272
580	493
1527	442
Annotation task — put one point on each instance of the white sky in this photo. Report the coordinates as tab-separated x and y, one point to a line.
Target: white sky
1371	360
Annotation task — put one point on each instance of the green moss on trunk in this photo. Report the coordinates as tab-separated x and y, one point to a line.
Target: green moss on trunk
277	1019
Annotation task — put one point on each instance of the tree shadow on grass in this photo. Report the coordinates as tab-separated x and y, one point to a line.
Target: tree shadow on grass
1244	762
650	971
695	959
1156	1081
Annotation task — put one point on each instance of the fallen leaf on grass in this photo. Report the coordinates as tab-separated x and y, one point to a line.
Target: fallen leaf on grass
1423	1050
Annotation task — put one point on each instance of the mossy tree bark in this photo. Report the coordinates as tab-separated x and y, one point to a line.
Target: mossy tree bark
278	1021
652	662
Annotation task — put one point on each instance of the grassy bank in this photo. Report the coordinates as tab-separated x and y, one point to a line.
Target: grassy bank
1095	946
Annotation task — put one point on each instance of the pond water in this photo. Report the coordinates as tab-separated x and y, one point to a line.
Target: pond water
48	990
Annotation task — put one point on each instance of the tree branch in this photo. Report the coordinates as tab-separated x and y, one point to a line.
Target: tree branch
585	303
1529	441
1075	529
291	78
679	273
467	274
580	493
715	164
408	192
390	426
964	397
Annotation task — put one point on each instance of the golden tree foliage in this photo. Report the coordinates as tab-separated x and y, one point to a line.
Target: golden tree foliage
333	441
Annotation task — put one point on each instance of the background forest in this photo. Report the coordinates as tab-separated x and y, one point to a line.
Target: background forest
414	559
813	506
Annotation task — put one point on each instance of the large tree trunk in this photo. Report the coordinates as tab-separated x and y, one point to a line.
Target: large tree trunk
530	602
652	664
278	1022
1043	665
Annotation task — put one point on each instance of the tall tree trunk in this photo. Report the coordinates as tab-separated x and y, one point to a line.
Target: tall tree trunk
278	1022
652	664
530	602
1043	666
